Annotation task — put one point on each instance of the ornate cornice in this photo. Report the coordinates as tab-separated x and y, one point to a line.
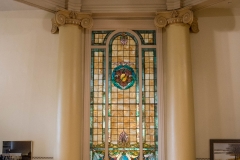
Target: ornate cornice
63	17
184	15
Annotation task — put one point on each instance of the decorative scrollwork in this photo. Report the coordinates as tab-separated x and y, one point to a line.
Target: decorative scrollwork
188	17
87	23
54	26
184	15
63	17
174	14
73	15
60	18
194	27
160	21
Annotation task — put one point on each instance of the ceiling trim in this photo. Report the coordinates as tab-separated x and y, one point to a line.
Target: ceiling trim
123	8
192	2
74	6
202	4
52	5
125	16
46	5
173	5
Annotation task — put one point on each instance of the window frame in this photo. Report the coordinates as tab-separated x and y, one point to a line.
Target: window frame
134	25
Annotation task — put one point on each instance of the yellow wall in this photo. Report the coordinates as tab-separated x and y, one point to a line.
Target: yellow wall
28	76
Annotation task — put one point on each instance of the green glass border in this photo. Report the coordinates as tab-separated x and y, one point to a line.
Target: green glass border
150	148
97	149
116	84
146	31
133	148
100	32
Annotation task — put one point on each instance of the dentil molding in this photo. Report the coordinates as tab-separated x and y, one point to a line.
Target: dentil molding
184	15
63	17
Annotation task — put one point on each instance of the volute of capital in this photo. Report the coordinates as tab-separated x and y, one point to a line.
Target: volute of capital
63	17
184	15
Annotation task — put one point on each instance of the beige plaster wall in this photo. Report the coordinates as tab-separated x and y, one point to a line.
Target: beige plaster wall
216	77
28	74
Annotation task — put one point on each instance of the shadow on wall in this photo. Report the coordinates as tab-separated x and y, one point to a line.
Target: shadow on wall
217	13
215	115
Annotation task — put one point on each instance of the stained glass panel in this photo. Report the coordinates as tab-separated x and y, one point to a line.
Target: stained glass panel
123	103
97	110
148	37
121	108
149	109
100	37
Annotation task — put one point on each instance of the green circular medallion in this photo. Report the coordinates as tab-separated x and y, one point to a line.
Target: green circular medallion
123	77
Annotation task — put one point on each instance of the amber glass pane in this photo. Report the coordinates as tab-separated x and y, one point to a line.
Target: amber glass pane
97	114
149	88
148	37
100	37
123	104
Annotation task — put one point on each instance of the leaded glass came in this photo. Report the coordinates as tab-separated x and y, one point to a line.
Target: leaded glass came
97	110
149	102
124	104
147	37
100	37
118	103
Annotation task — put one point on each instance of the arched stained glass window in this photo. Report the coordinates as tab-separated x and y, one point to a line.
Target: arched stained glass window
123	103
124	115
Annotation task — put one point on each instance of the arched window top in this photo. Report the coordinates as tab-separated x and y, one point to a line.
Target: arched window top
115	39
123	120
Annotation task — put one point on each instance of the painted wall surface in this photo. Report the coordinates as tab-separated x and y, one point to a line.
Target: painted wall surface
28	75
216	77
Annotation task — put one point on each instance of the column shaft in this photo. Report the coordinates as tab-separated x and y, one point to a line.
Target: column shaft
178	94
70	93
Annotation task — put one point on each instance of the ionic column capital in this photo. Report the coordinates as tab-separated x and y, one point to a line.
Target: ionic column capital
63	17
184	15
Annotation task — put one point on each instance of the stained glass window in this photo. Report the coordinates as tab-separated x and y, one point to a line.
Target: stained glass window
119	104
100	37
149	102
123	103
147	37
97	109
